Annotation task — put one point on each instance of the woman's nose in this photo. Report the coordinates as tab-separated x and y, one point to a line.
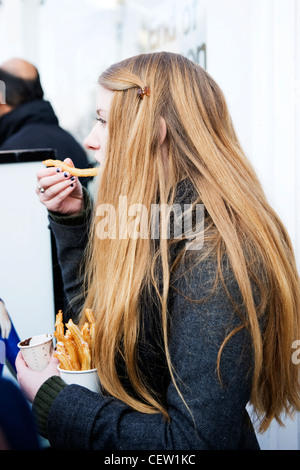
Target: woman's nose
92	142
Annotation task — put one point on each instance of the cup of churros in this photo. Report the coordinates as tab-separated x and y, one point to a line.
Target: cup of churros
74	350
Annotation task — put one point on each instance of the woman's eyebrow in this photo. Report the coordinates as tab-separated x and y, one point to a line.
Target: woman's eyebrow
99	111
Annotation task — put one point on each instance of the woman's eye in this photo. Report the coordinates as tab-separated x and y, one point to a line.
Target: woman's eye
101	120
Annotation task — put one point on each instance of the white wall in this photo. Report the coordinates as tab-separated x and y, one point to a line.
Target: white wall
76	42
253	53
229	51
11	29
26	284
251	50
297	124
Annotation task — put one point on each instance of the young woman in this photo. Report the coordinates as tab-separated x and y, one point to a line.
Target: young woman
186	335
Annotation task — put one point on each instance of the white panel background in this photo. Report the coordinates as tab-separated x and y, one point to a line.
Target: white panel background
254	54
26	283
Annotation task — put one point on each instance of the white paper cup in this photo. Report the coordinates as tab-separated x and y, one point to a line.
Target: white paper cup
86	378
37	351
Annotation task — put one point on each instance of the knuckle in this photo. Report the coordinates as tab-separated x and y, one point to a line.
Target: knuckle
50	192
60	196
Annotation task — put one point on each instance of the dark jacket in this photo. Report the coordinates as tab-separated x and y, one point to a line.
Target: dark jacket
16	422
34	125
215	417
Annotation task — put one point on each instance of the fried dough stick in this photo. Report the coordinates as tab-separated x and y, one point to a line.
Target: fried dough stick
64	360
71	350
82	346
85	331
73	171
59	326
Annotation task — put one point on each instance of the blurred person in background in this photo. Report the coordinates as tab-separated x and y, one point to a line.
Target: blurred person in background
27	121
10	338
184	338
17	427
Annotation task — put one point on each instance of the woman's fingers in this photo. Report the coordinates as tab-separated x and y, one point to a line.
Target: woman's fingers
47	171
53	185
58	190
49	178
56	195
69	162
56	185
54	204
44	172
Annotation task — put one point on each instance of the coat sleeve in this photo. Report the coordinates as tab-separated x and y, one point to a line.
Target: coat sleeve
208	415
71	237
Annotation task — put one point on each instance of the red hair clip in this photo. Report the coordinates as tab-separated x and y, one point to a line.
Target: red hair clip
143	91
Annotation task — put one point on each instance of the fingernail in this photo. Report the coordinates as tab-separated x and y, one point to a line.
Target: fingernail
72	185
66	174
72	179
58	170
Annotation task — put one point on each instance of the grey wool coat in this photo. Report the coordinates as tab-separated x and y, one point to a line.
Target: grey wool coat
214	414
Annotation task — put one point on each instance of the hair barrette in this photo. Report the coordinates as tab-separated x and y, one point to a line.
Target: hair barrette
143	91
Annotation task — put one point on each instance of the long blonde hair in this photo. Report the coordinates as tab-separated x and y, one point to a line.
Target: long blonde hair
201	145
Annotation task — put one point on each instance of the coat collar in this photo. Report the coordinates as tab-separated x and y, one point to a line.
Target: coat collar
37	111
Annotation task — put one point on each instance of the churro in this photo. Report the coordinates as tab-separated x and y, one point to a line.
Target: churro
59	326
74	348
72	170
64	360
81	344
85	331
70	350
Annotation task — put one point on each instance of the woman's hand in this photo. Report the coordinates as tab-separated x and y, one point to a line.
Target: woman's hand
30	380
59	191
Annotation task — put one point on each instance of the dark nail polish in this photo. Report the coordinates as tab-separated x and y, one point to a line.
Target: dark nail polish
58	170
72	179
66	174
72	185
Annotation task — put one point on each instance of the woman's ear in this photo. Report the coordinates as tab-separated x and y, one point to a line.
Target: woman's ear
163	130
